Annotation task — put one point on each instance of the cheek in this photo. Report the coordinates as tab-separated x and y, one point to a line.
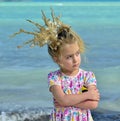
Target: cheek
67	62
80	59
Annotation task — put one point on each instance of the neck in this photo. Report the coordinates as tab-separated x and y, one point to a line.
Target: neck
70	73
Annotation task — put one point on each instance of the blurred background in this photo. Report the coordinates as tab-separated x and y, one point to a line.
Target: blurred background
23	72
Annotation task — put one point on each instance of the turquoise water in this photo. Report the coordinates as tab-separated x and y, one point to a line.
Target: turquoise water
23	72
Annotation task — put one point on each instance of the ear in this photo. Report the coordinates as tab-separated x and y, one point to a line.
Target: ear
55	59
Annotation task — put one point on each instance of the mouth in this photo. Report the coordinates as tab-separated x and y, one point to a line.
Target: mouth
76	65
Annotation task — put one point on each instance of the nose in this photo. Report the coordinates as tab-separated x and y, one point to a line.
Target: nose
74	58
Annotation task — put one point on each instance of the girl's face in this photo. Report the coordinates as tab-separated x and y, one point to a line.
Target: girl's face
70	59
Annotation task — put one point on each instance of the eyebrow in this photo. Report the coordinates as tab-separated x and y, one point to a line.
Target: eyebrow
74	53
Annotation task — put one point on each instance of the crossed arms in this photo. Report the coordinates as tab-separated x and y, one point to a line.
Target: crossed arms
86	100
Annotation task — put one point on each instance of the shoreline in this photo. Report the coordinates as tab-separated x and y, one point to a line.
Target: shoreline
43	114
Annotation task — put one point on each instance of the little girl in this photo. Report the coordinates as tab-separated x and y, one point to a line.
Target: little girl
66	84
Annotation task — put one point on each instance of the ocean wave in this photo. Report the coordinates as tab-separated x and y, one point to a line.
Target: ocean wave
35	114
43	115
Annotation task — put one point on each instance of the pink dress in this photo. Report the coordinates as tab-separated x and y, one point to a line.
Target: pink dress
71	85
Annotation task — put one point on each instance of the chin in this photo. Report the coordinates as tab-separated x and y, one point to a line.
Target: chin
76	68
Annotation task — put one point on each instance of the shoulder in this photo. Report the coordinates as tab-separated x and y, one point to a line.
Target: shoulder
54	78
54	73
89	78
86	73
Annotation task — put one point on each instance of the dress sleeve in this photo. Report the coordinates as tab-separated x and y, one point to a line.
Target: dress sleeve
53	79
90	79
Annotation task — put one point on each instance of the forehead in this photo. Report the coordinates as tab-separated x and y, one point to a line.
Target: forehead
69	49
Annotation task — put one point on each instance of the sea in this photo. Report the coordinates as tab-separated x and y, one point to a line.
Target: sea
24	93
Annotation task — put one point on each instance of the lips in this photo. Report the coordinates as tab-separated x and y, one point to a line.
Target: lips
76	65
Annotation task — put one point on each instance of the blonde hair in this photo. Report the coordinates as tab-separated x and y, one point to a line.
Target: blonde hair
66	36
54	33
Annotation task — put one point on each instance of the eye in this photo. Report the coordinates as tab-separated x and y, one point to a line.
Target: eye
68	57
77	53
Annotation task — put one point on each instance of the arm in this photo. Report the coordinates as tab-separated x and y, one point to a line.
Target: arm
72	99
88	104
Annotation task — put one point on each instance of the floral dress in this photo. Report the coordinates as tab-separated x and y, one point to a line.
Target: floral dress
71	85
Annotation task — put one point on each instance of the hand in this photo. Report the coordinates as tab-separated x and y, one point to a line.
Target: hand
56	104
93	94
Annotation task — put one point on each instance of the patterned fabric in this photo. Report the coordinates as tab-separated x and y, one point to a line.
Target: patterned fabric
71	85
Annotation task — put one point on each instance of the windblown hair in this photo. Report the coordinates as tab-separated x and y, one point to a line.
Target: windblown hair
54	33
66	36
